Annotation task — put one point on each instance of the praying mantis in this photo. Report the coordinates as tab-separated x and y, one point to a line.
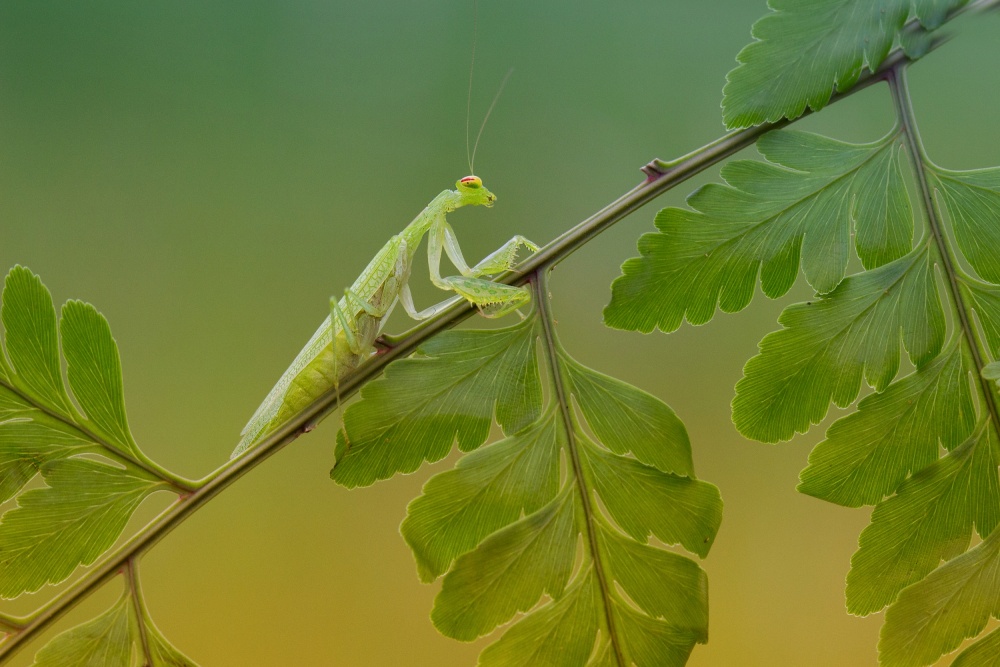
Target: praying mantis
346	338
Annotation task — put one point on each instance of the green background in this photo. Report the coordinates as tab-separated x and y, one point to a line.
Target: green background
208	173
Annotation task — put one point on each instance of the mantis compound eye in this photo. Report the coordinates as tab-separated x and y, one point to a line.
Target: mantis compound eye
471	182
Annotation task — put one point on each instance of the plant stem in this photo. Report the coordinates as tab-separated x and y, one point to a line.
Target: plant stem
946	256
10	624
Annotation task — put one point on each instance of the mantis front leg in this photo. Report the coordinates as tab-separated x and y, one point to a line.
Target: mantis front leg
493	299
498	261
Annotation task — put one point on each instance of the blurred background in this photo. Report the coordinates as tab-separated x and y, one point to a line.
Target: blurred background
208	173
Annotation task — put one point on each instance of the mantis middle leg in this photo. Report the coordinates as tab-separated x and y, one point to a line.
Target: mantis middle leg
348	312
348	324
406	298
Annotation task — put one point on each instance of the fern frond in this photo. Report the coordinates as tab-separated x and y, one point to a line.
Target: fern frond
503	527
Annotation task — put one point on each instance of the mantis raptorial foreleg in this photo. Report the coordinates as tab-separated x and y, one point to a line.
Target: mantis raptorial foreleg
503	258
498	261
492	299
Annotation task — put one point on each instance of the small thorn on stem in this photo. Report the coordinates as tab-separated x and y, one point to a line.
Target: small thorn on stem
655	169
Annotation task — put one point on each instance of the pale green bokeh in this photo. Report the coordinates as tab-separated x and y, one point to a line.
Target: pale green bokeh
209	173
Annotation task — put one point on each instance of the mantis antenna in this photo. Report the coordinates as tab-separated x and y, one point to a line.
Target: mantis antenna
487	117
468	96
471	158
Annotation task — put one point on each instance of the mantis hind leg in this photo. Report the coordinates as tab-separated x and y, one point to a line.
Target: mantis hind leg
349	326
492	299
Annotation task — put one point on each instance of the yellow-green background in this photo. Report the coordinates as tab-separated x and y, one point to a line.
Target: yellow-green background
208	173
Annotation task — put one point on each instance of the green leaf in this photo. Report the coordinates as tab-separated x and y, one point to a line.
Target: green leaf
804	201
487	490
560	633
650	642
415	412
30	441
113	639
29	320
95	372
984	653
933	13
972	199
826	346
163	652
604	656
628	420
509	572
929	519
105	641
38	423
992	371
507	538
635	496
71	522
804	50
663	584
955	601
868	453
15	406
986	301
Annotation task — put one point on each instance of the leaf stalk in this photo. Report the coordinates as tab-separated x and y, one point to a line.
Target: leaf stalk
946	255
551	346
138	606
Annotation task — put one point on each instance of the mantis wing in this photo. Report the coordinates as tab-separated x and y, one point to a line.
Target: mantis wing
262	419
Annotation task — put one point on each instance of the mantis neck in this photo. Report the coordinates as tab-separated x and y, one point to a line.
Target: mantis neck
434	213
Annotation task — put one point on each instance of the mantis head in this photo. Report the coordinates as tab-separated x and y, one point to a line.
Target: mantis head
472	192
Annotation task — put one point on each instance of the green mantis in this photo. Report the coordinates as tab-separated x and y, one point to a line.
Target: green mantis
346	338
